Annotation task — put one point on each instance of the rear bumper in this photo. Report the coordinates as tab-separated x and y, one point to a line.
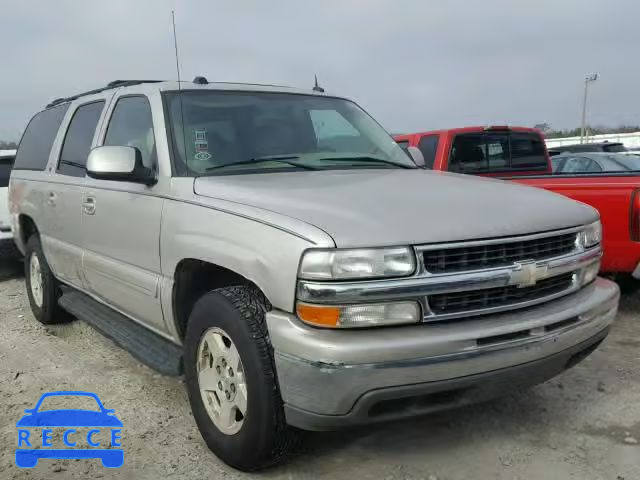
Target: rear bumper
334	378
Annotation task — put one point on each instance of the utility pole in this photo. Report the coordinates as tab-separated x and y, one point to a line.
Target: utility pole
587	80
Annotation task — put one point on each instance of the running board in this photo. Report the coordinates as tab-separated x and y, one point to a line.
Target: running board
145	345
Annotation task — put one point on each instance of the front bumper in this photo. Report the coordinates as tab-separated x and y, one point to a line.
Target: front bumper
331	378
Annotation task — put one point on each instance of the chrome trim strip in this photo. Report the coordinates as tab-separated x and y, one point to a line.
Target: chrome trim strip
422	285
433	317
493	241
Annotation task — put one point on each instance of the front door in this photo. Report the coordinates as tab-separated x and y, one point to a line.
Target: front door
121	224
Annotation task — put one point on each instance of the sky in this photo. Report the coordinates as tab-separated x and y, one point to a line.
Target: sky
413	64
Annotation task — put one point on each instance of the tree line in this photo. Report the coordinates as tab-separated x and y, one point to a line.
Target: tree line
7	145
550	132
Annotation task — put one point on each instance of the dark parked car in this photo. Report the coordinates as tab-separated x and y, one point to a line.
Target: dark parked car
610	147
594	162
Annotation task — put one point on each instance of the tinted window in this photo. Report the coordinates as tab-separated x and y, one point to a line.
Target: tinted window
35	146
497	152
77	141
467	154
527	151
5	170
580	165
428	145
131	125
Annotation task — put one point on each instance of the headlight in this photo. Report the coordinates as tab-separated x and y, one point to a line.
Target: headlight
336	264
362	315
591	235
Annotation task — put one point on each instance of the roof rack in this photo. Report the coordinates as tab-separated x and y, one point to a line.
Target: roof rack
110	85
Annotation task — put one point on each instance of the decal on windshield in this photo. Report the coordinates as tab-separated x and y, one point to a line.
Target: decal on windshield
201	146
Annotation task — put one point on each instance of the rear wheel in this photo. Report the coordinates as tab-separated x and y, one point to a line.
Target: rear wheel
231	379
43	290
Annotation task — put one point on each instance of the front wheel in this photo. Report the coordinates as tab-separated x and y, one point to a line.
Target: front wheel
231	379
43	289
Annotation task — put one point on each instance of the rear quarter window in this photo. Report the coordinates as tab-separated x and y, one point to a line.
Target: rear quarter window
38	137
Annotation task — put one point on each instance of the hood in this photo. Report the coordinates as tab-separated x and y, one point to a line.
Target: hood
394	207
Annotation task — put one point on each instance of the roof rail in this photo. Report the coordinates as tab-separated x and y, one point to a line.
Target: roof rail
110	85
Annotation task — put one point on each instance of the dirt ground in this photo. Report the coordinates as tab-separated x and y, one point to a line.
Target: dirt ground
584	424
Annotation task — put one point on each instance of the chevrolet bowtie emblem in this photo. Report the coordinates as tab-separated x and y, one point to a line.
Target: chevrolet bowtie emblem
527	273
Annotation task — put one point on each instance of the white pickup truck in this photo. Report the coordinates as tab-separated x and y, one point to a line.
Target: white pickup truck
6	236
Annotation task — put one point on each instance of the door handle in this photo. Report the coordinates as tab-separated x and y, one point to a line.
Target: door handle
51	199
89	205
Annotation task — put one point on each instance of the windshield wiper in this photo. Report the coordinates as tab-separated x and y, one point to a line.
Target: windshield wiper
369	159
275	158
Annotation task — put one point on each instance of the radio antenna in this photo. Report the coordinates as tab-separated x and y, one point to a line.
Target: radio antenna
175	44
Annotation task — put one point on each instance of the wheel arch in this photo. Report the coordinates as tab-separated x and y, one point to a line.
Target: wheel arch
192	279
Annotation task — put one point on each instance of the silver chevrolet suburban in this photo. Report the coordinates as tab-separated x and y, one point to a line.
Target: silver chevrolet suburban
281	251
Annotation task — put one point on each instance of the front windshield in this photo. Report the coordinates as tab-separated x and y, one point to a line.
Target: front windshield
217	132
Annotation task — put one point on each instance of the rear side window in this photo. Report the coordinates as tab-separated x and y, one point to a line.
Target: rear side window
5	171
428	145
77	141
38	137
497	152
131	126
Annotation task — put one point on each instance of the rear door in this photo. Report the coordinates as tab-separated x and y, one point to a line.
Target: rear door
121	222
62	235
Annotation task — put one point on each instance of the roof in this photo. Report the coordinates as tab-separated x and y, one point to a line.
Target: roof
472	129
199	83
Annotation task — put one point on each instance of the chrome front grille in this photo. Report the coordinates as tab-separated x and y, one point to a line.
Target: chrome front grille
489	298
475	278
490	255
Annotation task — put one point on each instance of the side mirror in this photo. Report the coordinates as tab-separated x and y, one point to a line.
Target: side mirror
119	163
416	155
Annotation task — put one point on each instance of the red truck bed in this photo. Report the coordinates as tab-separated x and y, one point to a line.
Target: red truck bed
519	154
616	198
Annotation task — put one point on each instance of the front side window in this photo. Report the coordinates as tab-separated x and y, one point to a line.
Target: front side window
77	141
219	132
38	138
131	125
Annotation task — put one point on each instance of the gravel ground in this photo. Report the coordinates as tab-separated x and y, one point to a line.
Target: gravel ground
584	424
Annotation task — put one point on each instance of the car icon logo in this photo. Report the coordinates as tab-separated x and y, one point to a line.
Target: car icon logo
32	448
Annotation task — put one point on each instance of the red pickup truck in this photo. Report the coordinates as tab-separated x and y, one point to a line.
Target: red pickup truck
519	154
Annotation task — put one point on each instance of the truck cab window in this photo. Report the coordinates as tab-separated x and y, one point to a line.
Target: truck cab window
428	145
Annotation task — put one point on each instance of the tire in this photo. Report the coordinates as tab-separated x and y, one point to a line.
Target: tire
44	305
263	437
